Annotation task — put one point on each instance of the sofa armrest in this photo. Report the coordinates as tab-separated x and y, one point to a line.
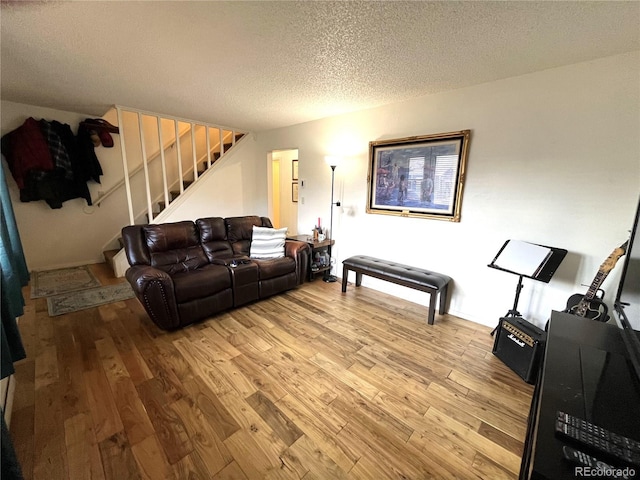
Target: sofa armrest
300	252
154	289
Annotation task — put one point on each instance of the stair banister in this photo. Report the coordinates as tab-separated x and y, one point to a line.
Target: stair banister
166	194
139	168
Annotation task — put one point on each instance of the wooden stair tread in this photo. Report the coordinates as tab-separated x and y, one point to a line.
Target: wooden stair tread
109	254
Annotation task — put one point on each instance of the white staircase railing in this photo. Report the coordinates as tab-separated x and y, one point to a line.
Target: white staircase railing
179	144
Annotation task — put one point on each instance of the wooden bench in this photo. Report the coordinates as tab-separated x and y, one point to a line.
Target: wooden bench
405	275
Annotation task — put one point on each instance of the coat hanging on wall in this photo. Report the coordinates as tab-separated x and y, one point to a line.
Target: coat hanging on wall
50	163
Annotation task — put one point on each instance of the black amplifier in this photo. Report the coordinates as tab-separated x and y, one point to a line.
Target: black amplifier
520	345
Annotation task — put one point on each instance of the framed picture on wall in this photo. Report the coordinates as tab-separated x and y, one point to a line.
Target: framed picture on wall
294	170
418	176
294	192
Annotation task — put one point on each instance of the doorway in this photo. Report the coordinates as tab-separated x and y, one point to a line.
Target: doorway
283	201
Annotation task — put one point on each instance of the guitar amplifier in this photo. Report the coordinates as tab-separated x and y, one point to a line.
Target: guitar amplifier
520	345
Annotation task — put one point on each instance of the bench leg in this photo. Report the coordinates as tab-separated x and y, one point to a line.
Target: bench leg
443	299
432	307
345	274
358	279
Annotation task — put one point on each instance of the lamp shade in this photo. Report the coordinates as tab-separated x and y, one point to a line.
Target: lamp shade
332	161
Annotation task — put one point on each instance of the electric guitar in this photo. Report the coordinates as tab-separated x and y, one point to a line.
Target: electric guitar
588	305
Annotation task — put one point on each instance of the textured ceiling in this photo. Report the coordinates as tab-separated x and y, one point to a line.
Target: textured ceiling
268	64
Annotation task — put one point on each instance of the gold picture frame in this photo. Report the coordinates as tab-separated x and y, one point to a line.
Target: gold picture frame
420	176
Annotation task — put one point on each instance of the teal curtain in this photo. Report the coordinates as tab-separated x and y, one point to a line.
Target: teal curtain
14	276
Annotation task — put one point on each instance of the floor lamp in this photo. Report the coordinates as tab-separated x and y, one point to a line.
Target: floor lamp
333	163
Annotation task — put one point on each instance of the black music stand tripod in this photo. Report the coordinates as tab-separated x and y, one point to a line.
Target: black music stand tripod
514	310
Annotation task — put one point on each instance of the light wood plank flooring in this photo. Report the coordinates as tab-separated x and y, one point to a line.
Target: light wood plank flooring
311	384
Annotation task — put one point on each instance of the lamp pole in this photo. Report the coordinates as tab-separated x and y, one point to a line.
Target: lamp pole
327	274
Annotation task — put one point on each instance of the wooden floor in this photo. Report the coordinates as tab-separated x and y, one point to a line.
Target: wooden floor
311	384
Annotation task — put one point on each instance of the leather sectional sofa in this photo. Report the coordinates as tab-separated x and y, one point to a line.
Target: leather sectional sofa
187	271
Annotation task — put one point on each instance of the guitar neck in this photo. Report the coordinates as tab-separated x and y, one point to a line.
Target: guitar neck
595	285
583	307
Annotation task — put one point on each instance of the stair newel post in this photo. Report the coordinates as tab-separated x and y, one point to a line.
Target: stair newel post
143	151
221	141
164	163
125	166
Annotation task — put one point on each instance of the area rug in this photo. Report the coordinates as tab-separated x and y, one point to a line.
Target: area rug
92	297
53	282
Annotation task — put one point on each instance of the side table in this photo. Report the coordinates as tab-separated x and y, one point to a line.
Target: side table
316	247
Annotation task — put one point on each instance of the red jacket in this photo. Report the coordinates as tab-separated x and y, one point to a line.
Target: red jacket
25	149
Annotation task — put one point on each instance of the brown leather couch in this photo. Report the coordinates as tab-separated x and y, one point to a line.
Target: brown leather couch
187	271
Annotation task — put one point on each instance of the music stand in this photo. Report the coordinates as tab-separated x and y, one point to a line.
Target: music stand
530	260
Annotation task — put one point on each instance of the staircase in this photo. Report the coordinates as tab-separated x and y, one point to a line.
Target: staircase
164	156
173	194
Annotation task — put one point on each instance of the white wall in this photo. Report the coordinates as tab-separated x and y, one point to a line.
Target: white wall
554	159
75	234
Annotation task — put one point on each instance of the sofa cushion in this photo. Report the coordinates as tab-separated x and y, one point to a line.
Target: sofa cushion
241	228
213	235
174	247
212	229
275	267
268	242
201	283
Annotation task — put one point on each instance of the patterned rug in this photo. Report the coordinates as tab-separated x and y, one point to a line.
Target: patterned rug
89	298
53	282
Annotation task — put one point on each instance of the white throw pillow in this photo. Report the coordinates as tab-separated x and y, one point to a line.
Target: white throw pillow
268	242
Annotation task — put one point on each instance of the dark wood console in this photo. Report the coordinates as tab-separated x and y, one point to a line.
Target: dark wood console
585	373
317	247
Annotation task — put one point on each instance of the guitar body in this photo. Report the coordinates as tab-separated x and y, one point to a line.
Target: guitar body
593	309
588	305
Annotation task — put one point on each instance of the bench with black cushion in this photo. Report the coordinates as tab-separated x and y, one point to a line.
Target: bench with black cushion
405	275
